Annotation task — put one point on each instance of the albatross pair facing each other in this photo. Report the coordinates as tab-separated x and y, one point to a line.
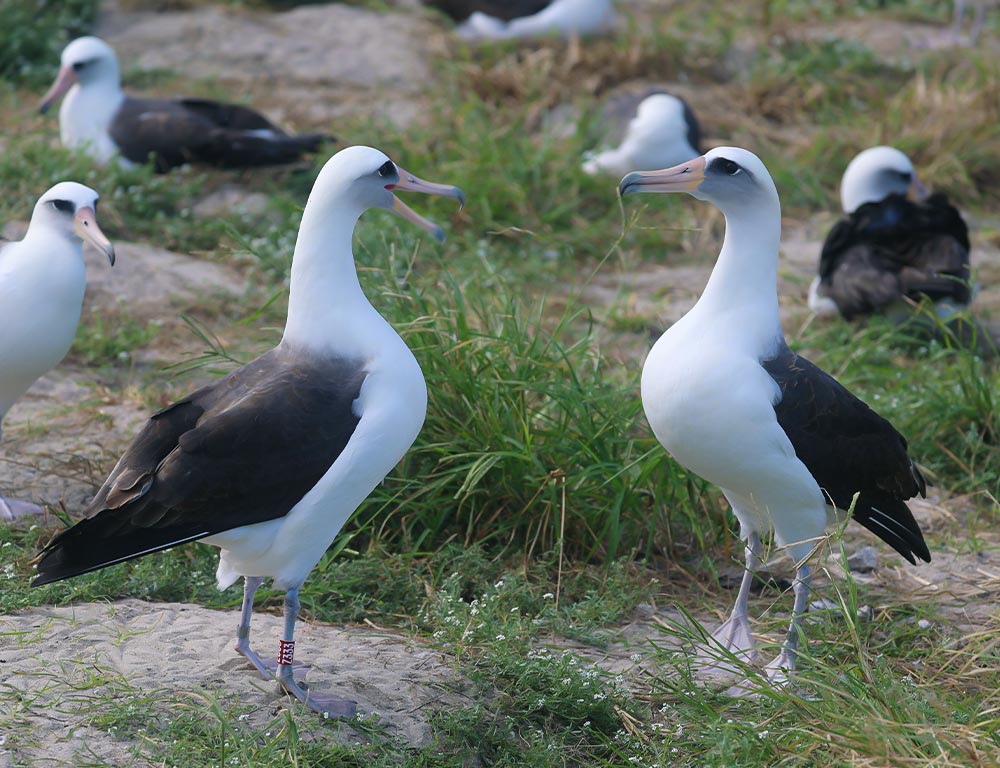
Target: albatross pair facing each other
97	117
269	462
42	282
787	444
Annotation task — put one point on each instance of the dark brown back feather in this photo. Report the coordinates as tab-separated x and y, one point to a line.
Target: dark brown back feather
849	449
178	131
896	249
243	450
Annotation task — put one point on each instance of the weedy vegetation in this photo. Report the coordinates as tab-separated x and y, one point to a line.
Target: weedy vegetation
536	518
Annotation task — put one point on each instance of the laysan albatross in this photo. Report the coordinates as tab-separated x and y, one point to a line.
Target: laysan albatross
895	244
787	444
664	132
269	462
42	282
98	118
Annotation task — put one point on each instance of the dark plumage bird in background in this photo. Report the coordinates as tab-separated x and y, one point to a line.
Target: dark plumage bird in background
97	117
895	245
788	445
460	10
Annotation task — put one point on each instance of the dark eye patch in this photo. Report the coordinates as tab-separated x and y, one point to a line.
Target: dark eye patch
726	166
906	176
63	205
387	168
78	65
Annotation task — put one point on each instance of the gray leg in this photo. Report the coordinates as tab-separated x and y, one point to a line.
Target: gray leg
331	706
250	586
777	671
735	635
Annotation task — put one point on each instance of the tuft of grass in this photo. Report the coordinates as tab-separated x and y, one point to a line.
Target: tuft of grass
34	33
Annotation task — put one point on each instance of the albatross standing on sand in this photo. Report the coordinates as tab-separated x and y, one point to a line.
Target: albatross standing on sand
895	245
269	462
42	282
98	118
787	444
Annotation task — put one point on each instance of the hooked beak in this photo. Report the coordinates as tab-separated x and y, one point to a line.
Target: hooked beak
681	178
410	183
64	80
85	225
916	192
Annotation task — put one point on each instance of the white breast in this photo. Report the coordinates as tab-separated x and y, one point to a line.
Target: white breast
85	119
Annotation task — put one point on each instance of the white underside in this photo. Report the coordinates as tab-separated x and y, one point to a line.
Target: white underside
640	154
42	283
710	403
562	17
821	306
85	118
391	406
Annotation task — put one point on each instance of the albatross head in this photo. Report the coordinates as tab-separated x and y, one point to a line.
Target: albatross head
877	173
86	60
70	209
367	178
729	177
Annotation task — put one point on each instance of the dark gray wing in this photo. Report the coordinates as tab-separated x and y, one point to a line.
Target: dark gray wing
460	10
848	449
693	128
178	131
893	249
242	450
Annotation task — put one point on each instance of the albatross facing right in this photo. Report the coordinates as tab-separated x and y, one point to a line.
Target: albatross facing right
787	444
269	462
42	283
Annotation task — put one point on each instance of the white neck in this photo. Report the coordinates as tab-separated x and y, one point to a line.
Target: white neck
86	114
326	305
742	292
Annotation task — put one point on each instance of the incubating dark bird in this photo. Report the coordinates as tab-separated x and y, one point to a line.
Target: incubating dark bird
42	282
269	462
895	246
787	444
98	118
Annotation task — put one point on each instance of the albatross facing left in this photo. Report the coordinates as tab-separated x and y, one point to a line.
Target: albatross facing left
269	462
787	444
97	117
42	282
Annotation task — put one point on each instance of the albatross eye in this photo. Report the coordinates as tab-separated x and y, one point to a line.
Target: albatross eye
387	168
727	166
78	65
63	205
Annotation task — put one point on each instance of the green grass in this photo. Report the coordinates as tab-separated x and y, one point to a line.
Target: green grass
535	513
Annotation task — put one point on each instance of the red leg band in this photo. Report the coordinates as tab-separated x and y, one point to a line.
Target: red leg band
286	650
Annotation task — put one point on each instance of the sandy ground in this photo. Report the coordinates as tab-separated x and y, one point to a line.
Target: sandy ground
77	661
